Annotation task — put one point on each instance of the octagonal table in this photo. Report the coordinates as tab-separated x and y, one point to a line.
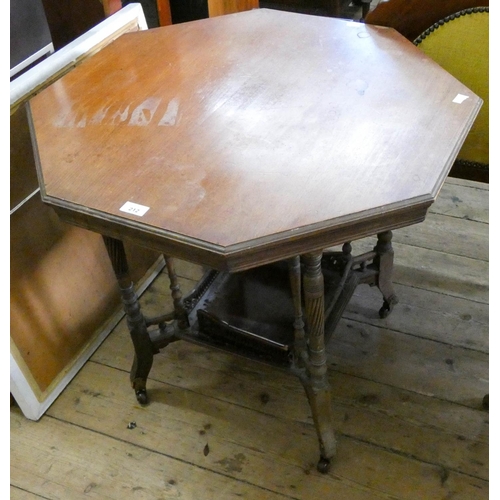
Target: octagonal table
250	143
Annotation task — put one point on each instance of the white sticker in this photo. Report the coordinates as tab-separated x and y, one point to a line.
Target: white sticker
460	98
134	208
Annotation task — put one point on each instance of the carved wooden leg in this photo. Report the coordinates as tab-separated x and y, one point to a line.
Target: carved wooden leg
316	384
300	345
144	351
180	312
384	261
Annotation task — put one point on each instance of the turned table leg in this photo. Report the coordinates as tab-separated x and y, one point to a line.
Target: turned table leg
385	261
143	347
316	381
180	311
300	345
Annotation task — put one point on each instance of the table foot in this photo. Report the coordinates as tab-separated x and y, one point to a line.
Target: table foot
323	465
387	307
321	407
142	397
139	383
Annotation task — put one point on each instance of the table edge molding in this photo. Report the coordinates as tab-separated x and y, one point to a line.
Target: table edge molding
252	253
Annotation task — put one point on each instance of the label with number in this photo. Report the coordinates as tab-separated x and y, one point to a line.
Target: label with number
134	208
460	98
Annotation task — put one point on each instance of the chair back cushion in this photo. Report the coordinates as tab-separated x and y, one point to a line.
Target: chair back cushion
460	44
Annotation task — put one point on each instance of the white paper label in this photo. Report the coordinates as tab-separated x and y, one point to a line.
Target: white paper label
134	208
460	98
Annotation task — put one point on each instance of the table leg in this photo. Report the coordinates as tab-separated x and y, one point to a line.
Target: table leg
180	311
385	261
316	382
300	345
144	350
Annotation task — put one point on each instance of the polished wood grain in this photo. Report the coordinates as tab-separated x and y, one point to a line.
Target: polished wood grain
246	154
412	17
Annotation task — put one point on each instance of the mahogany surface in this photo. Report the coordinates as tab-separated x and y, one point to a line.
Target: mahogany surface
251	137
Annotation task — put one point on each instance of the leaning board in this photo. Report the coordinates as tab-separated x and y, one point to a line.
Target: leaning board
63	296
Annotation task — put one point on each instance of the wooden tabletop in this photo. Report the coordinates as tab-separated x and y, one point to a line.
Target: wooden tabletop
250	137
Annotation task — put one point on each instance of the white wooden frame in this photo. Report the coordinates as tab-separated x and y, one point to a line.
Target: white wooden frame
130	18
48	49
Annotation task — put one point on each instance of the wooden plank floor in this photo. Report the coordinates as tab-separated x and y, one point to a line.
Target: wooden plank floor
407	395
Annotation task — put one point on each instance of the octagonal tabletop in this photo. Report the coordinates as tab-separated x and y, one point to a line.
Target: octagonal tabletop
247	138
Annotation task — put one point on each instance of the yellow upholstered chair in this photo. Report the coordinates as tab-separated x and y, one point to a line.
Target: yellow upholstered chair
460	44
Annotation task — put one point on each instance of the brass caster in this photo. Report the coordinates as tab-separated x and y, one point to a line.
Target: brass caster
323	465
142	397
